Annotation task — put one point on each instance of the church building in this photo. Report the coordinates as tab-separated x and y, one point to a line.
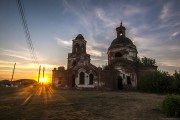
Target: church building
120	73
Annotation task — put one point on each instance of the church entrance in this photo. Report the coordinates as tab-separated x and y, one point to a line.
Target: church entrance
120	83
128	80
73	80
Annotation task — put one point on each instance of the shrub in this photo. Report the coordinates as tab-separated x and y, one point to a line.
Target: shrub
171	105
156	82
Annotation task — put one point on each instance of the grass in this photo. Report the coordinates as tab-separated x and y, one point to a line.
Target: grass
49	104
7	90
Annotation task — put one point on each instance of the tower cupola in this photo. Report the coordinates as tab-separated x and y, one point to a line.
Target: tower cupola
120	30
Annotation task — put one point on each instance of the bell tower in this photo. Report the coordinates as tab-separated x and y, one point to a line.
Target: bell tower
78	56
79	45
120	30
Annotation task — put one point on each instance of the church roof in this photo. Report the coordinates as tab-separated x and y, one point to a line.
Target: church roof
79	36
121	38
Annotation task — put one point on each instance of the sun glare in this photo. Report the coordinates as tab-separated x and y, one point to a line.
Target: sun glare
44	80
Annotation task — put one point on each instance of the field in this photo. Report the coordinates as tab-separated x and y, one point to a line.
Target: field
46	103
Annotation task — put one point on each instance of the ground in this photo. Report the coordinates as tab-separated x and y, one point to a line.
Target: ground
46	103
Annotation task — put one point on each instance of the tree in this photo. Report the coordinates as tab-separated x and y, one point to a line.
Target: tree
176	83
145	61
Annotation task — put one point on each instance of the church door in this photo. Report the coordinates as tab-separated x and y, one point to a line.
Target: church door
128	80
120	84
73	80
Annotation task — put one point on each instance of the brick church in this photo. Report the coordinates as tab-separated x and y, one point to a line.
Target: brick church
120	73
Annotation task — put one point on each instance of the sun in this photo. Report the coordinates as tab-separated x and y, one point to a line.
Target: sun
43	80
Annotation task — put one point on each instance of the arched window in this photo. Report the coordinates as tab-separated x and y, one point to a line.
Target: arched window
76	47
128	80
91	79
81	78
118	54
74	63
82	48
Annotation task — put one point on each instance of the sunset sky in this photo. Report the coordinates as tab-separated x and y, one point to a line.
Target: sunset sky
153	26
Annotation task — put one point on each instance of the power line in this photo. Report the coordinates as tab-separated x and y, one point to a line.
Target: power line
26	30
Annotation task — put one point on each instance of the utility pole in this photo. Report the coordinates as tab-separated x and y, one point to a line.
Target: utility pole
13	73
43	74
39	73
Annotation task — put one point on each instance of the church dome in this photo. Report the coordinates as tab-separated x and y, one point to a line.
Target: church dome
121	40
79	36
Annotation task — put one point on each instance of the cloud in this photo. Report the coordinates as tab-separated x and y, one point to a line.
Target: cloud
16	54
68	44
85	19
22	54
95	59
143	42
90	49
101	15
165	12
175	34
108	22
131	10
93	52
6	65
65	43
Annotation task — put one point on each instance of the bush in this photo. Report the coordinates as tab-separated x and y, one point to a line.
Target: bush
156	82
171	105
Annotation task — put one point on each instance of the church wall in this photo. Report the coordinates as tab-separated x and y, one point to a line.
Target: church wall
131	53
86	82
142	71
124	74
59	78
55	82
86	79
108	79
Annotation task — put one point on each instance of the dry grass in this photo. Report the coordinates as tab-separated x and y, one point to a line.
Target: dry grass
48	104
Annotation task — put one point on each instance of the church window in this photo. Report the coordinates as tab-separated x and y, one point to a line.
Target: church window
76	47
128	80
74	63
123	76
81	78
118	54
91	79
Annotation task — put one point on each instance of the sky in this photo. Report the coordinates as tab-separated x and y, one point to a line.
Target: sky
152	25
